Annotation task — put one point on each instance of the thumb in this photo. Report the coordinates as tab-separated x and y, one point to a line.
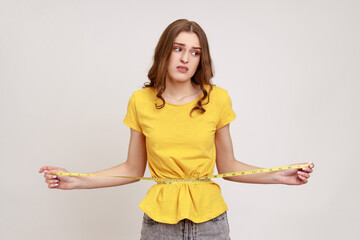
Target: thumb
53	171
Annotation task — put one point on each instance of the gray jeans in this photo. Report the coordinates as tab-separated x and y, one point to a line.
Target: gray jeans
214	229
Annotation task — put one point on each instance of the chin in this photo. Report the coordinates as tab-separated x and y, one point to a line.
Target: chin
181	79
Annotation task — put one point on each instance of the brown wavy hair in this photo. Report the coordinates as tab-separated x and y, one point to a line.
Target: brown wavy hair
204	72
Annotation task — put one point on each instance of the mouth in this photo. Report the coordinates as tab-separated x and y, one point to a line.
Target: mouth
182	69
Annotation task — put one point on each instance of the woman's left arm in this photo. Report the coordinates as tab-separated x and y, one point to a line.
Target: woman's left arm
226	162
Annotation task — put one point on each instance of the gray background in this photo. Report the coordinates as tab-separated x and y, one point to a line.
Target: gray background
68	68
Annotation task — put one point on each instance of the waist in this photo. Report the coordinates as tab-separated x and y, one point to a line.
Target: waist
176	180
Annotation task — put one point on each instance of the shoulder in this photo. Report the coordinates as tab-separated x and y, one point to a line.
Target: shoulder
144	94
220	98
219	90
219	93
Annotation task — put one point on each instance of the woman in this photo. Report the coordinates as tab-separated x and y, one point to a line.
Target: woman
179	124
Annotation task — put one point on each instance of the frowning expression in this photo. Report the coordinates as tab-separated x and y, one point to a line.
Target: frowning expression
184	58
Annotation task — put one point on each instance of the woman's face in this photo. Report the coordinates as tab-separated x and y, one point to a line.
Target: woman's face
184	58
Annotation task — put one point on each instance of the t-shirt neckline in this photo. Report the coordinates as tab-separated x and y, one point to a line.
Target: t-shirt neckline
183	104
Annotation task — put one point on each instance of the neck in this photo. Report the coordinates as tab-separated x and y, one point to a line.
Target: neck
180	89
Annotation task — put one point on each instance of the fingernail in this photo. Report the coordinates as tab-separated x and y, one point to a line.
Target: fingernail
56	184
54	176
56	180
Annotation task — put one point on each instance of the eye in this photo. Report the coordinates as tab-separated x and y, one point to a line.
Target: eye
195	53
177	49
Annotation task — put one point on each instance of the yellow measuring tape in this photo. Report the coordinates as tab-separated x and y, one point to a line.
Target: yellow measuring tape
190	180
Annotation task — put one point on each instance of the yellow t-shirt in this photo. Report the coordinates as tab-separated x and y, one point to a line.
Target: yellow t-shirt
180	146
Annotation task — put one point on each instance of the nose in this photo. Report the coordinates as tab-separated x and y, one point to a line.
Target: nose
184	57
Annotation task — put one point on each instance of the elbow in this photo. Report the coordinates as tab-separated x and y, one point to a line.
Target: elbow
136	180
227	166
232	179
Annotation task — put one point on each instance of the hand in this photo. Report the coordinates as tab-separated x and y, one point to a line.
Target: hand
295	176
59	182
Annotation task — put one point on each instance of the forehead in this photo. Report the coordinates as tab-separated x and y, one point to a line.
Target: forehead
188	38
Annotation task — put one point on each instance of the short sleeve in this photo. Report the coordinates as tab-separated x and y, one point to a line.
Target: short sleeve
131	118
227	113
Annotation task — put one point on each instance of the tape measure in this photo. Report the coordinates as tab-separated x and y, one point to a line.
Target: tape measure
189	180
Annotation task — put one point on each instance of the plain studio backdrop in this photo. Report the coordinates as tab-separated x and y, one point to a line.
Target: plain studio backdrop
68	69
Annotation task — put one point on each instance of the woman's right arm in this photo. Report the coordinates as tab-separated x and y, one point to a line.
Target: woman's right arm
135	165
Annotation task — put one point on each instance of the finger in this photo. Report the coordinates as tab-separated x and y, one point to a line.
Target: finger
50	176
52	181
303	179
57	170
303	174
46	168
53	185
307	169
311	165
53	171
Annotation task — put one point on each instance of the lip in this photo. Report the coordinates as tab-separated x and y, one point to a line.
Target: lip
183	69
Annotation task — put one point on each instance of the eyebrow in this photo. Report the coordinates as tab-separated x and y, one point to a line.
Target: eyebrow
181	44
